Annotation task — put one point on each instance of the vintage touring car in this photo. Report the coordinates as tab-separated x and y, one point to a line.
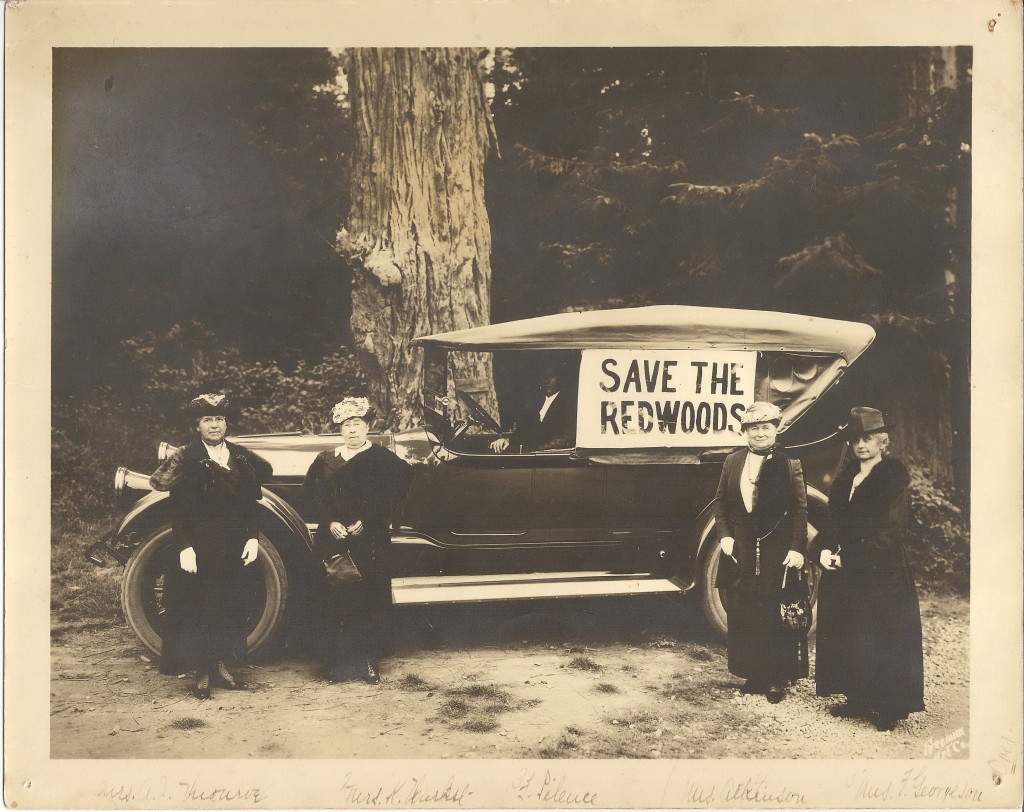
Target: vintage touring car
623	507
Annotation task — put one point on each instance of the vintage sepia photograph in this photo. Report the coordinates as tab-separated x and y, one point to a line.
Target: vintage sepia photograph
549	291
545	412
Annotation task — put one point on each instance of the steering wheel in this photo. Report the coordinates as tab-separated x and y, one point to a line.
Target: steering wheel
478	413
458	430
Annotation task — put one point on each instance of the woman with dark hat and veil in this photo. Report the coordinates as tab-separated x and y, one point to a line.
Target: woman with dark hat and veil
869	622
357	487
761	521
215	489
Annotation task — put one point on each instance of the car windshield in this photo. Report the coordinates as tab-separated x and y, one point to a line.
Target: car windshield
606	401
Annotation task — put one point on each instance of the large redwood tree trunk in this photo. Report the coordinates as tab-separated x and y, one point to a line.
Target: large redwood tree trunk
940	434
417	235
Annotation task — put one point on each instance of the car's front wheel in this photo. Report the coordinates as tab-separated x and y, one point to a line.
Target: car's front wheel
143	585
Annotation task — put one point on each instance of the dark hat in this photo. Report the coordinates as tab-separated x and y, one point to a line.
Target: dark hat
865	420
211	404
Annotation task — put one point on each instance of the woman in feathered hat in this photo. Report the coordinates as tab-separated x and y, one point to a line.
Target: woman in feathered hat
761	521
357	487
214	489
869	622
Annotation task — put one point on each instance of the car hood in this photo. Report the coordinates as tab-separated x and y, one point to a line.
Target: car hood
291	454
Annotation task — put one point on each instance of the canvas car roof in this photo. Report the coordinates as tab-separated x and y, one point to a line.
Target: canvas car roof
666	327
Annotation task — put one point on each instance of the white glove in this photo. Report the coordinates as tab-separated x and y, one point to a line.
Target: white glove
251	551
187	559
356	529
727	543
793	559
338	530
826	560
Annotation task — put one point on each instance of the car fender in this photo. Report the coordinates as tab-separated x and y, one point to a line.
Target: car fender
154	509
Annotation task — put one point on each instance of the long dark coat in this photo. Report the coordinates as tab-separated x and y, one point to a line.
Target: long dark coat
760	647
369	488
869	623
214	510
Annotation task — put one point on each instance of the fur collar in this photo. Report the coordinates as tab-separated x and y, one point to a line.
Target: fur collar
886	479
248	461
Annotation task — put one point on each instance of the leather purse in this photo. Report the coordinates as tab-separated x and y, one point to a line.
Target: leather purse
341	570
795	601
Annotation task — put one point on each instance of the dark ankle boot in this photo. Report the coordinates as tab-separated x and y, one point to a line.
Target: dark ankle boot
885	722
201	688
231	682
775	693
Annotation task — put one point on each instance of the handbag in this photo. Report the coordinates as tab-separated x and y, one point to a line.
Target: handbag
341	570
795	602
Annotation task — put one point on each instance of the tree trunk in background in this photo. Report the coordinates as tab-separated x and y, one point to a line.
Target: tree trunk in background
417	235
938	432
925	72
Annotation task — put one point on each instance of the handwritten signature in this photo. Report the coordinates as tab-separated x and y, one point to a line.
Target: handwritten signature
551	788
406	792
914	783
160	788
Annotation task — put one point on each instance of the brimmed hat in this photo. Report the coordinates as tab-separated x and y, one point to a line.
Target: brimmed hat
212	404
865	420
761	412
352	407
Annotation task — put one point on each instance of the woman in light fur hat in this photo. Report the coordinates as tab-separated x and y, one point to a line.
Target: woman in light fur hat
357	488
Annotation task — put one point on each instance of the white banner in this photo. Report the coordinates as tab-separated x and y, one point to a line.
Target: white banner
663	398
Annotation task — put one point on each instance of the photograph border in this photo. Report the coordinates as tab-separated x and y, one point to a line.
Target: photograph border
989	778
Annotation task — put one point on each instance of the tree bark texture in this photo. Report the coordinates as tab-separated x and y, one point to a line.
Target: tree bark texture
925	72
944	445
417	236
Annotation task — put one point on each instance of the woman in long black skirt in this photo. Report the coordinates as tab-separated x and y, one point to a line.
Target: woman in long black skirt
761	522
214	496
869	622
357	488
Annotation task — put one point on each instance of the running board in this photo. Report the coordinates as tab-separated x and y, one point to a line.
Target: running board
525	586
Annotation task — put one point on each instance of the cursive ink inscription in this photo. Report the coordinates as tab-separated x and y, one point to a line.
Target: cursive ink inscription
406	792
182	791
759	791
914	783
145	790
1006	762
699	795
551	788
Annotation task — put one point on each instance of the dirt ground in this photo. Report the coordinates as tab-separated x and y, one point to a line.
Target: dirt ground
637	677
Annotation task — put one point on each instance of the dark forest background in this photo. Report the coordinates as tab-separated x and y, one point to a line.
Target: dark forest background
198	193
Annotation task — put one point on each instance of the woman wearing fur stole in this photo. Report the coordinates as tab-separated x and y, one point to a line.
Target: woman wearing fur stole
869	623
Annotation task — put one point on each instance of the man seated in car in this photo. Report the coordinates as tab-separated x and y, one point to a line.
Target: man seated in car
549	423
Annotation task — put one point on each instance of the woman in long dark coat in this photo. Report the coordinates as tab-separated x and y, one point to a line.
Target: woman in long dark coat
761	521
357	488
869	622
214	494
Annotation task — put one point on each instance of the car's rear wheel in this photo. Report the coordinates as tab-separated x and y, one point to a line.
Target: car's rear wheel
142	591
713	600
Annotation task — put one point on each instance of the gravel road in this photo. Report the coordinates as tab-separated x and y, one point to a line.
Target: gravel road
606	678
